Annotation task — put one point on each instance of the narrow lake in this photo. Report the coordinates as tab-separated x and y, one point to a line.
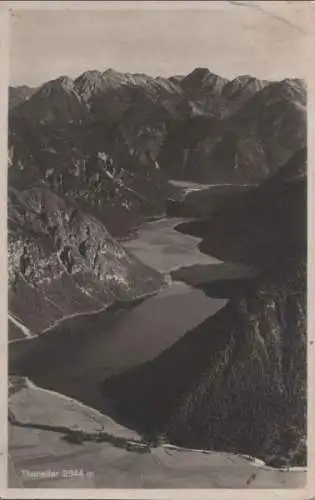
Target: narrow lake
74	361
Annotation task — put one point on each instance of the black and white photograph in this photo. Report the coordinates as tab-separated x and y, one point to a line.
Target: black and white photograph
157	246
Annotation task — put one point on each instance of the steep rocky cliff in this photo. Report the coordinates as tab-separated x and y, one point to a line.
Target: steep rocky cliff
63	261
238	381
76	162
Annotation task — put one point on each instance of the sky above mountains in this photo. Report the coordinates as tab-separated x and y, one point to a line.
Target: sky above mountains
265	39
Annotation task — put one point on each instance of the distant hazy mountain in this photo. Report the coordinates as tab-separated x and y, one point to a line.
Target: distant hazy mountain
17	95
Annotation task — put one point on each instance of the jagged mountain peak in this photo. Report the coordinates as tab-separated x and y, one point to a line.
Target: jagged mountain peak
202	79
200	71
63	80
92	74
299	82
88	83
293	89
117	77
114	79
246	85
62	83
111	72
294	86
245	79
57	98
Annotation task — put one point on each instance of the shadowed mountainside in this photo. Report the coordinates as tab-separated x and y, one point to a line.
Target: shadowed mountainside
237	382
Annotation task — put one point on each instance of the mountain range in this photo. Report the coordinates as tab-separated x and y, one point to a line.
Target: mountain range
92	158
200	127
